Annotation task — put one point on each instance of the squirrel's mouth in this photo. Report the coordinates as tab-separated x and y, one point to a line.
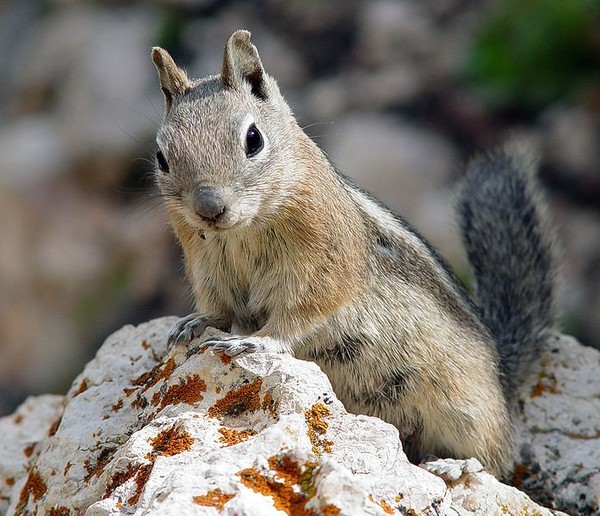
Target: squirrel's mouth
203	225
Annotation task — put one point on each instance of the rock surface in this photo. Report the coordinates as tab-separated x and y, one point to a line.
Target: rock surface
560	428
146	431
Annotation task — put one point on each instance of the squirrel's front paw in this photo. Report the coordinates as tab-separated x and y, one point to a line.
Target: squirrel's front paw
233	345
187	329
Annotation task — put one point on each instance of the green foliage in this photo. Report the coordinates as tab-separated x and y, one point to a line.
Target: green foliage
530	53
169	33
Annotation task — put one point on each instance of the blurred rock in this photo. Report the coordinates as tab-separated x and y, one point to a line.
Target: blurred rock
571	139
91	66
33	152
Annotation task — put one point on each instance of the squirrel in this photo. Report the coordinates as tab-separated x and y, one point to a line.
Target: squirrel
289	255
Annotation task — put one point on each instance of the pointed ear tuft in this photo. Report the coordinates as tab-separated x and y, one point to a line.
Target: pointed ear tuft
173	80
241	62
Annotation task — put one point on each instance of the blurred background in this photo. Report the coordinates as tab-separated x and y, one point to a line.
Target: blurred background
398	93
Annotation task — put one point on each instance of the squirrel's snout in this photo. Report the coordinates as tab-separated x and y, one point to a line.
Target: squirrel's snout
209	203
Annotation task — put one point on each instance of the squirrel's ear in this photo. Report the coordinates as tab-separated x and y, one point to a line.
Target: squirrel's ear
173	80
241	62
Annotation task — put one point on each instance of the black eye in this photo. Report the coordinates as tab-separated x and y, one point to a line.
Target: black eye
162	162
254	141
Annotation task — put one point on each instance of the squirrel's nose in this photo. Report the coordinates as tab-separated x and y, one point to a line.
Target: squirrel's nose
209	203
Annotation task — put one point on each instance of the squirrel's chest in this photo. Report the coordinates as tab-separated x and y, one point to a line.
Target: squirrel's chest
242	278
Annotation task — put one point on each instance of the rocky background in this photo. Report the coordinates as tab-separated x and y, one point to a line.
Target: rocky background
399	94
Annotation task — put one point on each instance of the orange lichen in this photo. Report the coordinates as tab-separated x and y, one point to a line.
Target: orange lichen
237	401
521	473
170	442
331	510
231	436
119	478
159	372
215	498
386	507
59	511
188	391
95	470
141	477
317	427
145	344
546	383
54	427
140	402
18	419
270	405
34	487
225	359
117	406
67	468
10	481
83	386
290	485
28	451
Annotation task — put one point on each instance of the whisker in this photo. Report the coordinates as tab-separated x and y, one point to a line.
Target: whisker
304	128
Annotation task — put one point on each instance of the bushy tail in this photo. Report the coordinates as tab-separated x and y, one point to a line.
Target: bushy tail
510	247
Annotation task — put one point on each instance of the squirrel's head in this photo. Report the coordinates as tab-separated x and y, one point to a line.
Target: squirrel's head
222	150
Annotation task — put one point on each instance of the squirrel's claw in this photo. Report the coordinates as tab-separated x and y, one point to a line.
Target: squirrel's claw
187	329
232	346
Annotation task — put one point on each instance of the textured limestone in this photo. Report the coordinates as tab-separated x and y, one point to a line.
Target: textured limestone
560	427
144	431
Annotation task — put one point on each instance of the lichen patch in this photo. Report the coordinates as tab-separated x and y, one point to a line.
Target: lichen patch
141	474
383	504
546	383
34	487
188	391
238	401
119	478
288	483
230	436
161	371
331	510
141	478
170	442
270	405
83	386
54	427
317	427
215	498
95	469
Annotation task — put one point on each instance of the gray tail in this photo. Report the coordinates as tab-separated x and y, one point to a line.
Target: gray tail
510	247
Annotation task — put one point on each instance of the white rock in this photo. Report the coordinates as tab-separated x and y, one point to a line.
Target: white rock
20	433
148	432
560	427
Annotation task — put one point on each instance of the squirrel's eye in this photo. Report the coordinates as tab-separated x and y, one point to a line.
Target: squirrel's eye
162	162
254	141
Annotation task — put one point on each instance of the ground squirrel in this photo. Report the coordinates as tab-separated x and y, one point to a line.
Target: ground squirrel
289	255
